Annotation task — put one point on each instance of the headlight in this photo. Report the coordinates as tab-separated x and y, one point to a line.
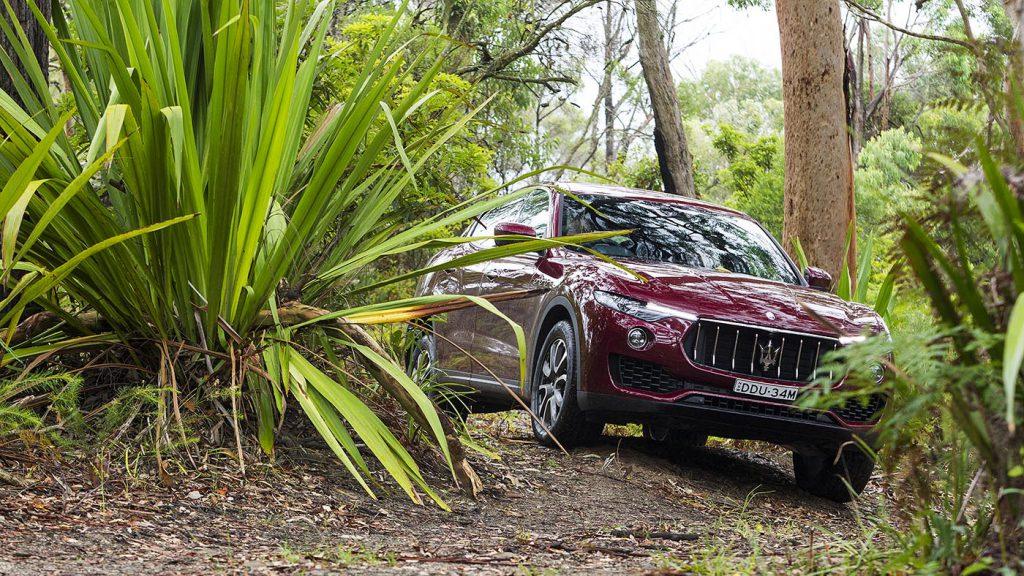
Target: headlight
646	311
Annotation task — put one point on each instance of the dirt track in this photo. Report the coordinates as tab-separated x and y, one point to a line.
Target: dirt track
620	507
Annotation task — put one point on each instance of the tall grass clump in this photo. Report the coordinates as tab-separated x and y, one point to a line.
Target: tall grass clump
203	218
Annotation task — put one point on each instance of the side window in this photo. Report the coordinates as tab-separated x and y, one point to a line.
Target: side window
537	212
485	227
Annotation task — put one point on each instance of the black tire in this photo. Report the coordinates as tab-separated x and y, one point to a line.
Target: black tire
553	391
675	438
420	367
421	355
821	475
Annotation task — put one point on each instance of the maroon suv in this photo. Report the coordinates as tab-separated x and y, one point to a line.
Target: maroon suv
717	338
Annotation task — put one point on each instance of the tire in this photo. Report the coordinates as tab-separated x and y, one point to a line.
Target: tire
420	368
822	476
419	364
553	392
675	438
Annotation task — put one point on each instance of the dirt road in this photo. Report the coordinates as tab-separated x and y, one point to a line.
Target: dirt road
620	507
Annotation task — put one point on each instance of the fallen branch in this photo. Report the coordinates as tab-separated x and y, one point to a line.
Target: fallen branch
656	535
36	324
9	478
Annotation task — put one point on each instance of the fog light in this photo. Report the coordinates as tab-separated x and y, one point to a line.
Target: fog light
638	338
878	372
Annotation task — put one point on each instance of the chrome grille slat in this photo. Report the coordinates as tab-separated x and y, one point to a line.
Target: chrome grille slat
735	342
799	355
757	351
752	355
782	353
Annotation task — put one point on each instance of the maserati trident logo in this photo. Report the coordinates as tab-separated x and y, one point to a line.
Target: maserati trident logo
769	356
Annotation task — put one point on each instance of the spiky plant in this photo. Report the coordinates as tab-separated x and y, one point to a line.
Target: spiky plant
200	202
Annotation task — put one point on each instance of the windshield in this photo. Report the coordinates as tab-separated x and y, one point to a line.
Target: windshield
679	234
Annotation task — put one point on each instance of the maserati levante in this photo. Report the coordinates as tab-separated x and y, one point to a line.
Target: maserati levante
693	323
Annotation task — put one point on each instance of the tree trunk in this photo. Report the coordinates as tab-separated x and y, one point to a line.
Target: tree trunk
889	62
818	165
1015	13
871	64
610	41
669	138
858	102
36	37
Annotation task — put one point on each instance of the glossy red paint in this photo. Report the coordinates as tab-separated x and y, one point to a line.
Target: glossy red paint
818	279
563	281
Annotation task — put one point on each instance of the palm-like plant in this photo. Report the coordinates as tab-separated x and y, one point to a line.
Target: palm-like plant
200	197
982	308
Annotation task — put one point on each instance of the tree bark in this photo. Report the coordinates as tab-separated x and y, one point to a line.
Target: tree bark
818	206
36	37
669	138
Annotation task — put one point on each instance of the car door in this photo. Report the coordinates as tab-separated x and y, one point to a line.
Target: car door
454	331
495	339
465	348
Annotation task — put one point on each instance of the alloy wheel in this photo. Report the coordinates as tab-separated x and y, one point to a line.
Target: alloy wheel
554	377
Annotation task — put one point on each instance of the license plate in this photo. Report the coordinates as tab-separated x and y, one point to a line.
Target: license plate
771	391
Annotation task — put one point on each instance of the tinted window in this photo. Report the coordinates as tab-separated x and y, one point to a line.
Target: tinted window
535	212
680	234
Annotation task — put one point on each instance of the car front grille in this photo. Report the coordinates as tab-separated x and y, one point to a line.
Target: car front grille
636	374
754	351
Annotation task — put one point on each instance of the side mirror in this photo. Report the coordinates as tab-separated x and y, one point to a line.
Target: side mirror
512	229
818	279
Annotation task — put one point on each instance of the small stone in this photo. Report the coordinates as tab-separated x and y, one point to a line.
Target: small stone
194	495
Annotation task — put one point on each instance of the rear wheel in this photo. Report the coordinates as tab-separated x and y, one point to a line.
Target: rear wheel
555	384
421	368
674	438
842	480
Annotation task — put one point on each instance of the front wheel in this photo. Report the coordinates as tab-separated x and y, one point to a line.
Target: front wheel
555	382
839	480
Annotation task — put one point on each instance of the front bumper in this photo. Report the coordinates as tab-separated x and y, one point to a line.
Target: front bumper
700	398
717	420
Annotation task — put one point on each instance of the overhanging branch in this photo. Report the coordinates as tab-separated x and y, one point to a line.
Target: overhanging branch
875	17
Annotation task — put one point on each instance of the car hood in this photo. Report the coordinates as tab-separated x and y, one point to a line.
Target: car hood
749	300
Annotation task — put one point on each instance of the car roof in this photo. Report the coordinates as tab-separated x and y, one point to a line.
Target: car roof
580	188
